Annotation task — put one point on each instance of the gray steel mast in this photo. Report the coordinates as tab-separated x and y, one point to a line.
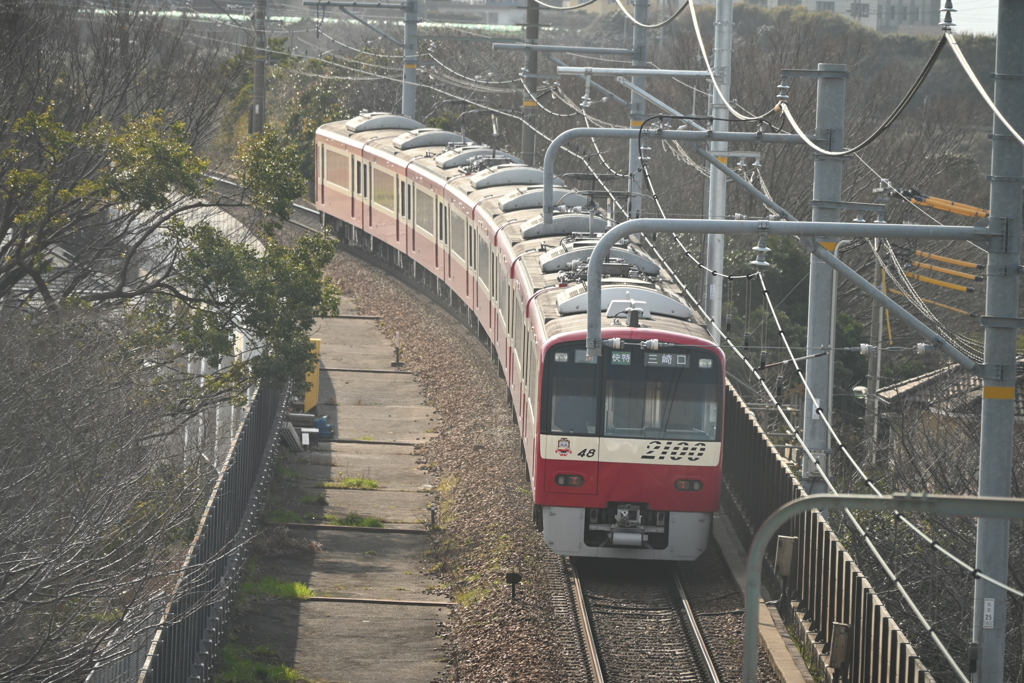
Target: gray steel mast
1001	323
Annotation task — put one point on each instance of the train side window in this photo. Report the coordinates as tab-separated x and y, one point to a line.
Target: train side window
383	189
571	389
359	178
366	180
458	230
334	167
425	211
485	264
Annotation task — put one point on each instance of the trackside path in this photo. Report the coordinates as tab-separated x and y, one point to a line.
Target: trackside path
371	620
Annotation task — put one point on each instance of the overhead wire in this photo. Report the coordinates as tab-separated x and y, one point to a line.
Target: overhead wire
565	9
657	25
948	37
885	124
711	73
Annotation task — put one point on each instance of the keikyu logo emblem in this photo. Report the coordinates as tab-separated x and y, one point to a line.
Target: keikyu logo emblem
563	449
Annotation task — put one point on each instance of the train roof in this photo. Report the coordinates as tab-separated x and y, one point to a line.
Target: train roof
551	259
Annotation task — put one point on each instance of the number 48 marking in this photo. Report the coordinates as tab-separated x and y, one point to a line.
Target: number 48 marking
587	453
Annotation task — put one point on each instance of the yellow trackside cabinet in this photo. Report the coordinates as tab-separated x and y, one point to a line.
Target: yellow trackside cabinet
313	378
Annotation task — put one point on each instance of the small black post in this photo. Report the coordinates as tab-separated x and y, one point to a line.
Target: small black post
512	579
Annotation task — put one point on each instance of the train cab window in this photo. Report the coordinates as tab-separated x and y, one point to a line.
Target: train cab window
572	391
661	395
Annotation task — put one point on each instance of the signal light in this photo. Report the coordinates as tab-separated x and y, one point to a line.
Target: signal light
689	485
569	480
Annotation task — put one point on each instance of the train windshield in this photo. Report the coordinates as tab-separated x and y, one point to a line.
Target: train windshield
634	393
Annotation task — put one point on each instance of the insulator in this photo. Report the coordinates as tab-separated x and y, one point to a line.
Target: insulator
778	386
728	322
746	340
764	359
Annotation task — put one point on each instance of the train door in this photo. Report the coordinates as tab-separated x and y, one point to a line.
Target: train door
443	249
367	193
355	172
323	171
399	210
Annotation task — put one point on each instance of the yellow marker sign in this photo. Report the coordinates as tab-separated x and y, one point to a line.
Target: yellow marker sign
831	246
999	392
313	395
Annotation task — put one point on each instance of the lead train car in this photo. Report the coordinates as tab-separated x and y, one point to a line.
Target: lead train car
624	450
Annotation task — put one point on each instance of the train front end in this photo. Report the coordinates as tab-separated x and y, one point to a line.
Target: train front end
629	456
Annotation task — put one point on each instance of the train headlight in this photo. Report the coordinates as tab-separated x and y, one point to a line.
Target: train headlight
704	363
689	485
569	480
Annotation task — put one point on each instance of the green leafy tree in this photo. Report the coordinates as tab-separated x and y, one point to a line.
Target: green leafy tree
110	204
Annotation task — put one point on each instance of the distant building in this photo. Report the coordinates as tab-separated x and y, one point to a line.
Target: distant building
885	16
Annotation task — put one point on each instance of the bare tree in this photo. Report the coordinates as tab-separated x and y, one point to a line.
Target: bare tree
98	500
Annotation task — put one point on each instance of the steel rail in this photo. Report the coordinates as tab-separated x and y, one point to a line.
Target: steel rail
588	635
705	654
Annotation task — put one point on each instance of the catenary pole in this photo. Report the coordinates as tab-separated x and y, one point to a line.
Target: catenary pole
827	192
715	256
259	73
411	59
529	140
636	109
1001	324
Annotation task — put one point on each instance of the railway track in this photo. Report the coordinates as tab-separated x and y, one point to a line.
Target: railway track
636	624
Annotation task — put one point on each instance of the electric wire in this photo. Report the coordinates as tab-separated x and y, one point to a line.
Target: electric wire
565	9
948	36
885	124
711	72
657	25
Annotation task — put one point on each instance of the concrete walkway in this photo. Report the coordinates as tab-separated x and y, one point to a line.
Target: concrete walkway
373	620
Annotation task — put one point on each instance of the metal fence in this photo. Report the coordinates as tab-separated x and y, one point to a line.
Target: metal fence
185	635
826	583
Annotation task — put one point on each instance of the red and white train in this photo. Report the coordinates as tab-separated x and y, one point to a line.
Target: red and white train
624	449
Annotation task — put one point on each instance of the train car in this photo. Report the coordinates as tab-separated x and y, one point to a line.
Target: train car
623	449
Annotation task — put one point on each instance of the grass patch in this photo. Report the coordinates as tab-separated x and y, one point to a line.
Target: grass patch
238	665
354	519
362	483
268	588
318	499
284	473
279	516
367	438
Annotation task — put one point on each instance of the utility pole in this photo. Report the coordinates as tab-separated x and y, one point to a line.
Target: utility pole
529	141
259	86
827	194
874	372
636	109
715	256
1001	324
411	59
410	46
